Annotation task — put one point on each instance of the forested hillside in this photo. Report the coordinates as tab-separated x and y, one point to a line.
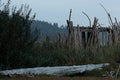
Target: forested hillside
47	29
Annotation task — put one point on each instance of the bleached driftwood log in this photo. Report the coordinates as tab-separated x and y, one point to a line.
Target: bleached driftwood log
58	71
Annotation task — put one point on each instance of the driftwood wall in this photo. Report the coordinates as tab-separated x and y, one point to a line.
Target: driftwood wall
92	36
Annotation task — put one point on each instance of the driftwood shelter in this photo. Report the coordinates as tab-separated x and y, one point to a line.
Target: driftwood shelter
94	36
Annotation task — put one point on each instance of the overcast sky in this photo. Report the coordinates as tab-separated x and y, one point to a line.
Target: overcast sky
58	10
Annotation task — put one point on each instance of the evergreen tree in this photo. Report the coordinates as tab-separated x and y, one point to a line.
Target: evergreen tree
15	34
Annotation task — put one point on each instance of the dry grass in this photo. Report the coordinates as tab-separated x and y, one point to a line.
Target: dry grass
58	78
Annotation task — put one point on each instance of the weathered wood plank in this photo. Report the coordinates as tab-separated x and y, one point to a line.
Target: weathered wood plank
59	71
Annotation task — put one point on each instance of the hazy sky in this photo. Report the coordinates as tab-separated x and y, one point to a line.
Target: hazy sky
58	10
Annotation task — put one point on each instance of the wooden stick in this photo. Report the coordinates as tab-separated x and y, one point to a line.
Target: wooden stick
70	14
88	18
117	71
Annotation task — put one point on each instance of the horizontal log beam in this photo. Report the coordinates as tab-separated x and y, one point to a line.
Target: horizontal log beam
90	29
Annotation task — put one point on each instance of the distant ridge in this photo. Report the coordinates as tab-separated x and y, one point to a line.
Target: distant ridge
47	29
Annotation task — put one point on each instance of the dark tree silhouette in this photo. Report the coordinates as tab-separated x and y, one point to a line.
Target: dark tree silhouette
15	33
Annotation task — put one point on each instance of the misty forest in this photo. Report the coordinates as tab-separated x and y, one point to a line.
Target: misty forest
28	43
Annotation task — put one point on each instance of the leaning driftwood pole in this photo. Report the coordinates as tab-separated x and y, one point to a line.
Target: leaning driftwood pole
88	18
95	36
103	38
109	38
70	38
118	70
108	14
70	14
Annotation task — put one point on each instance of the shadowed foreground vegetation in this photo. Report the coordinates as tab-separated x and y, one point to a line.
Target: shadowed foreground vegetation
51	55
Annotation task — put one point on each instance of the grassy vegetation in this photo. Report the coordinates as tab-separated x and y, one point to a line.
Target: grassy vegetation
56	56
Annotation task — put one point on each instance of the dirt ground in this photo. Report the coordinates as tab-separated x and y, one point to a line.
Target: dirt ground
57	78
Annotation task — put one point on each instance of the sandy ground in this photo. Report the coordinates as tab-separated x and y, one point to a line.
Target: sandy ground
56	78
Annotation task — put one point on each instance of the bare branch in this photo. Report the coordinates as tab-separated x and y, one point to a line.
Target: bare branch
70	14
88	18
116	21
104	8
109	16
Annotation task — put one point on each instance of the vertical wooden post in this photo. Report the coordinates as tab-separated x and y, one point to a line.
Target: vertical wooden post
77	37
103	38
83	40
113	37
116	36
70	31
106	38
80	38
95	33
88	39
109	38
